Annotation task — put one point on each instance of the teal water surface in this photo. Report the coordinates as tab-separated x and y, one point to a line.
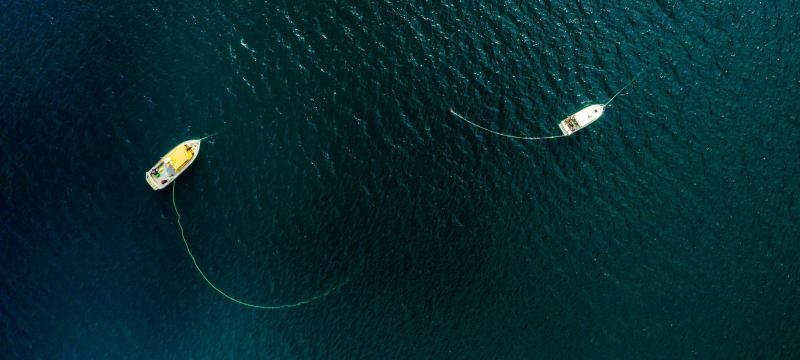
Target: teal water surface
667	229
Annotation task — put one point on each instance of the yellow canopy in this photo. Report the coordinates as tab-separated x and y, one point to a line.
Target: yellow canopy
179	156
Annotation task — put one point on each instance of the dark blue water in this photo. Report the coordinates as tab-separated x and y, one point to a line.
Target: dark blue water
668	229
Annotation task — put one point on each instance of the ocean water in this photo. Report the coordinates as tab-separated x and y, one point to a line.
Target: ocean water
667	229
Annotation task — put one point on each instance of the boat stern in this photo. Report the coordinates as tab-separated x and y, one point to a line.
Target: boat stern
565	128
569	126
152	181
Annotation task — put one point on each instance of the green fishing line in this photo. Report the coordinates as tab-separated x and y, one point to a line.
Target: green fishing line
231	298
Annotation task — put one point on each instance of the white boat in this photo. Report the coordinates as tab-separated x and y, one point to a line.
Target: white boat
581	119
173	164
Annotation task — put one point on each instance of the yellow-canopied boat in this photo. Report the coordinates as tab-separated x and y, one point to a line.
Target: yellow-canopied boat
169	167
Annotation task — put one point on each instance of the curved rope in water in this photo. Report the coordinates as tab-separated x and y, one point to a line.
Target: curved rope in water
506	135
231	298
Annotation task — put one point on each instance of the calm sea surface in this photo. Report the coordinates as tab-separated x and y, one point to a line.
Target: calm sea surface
668	229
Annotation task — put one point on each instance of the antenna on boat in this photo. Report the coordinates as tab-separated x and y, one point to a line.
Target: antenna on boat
621	90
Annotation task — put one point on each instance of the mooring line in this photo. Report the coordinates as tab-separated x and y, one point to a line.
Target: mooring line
621	90
231	298
506	135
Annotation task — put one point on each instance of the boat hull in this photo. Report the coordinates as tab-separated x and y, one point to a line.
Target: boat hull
164	172
581	119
